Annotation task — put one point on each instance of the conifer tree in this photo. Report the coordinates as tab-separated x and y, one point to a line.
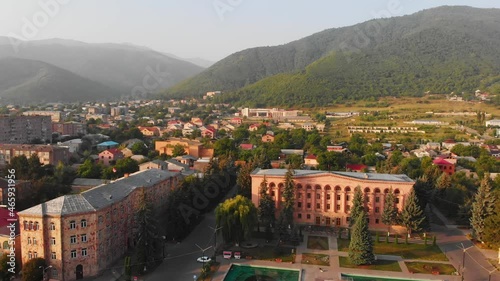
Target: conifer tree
357	205
286	215
482	208
390	212
361	245
266	206
412	216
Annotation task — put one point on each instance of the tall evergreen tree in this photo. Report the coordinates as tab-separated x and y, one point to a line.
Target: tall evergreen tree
482	208
244	180
361	245
412	216
147	232
357	205
390	212
266	206
286	215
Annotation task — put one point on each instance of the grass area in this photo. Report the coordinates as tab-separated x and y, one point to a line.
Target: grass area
213	269
317	243
406	251
285	254
430	268
378	265
316	259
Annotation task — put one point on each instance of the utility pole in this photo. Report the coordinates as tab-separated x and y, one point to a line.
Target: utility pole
463	259
215	240
203	253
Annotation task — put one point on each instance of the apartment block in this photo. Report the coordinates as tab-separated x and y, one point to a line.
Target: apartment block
25	129
48	154
80	235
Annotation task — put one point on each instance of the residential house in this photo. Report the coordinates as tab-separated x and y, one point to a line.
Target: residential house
107	145
149	131
311	160
445	165
191	147
109	156
155	164
267	138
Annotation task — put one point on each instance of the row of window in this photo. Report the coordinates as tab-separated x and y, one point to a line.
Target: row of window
328	207
73	239
72	224
338	221
31	226
36	226
84	253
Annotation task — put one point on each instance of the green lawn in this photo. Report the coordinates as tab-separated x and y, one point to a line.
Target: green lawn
316	259
378	265
410	251
430	268
286	254
317	243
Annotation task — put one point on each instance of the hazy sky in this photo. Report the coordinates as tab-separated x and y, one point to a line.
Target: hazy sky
210	29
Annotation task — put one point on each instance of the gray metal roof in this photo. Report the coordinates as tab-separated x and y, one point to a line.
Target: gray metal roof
99	196
362	176
88	182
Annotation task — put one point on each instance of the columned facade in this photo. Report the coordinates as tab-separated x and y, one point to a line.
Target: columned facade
325	198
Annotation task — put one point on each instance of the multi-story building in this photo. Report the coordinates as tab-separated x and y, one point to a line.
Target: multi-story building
110	156
25	129
80	235
324	198
55	116
69	128
48	154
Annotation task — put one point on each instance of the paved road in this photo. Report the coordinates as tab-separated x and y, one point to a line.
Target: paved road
180	263
451	240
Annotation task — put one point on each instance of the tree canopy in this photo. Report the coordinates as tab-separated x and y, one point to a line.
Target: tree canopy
237	216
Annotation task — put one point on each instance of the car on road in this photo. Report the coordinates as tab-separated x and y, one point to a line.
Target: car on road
203	259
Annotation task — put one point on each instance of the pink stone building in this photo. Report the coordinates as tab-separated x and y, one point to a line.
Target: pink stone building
324	198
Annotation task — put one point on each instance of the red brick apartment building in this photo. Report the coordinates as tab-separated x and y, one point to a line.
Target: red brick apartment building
80	235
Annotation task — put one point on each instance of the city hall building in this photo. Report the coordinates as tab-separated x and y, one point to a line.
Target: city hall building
325	198
80	235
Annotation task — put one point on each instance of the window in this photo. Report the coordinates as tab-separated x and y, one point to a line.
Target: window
308	216
84	237
347	219
328	206
318	205
30	255
29	240
347	197
34	241
309	205
299	195
52	241
272	193
37	226
6	245
318	196
72	225
367	199
35	255
31	225
377	210
337	207
377	221
52	226
53	255
348	207
73	239
73	254
338	197
54	272
308	195
396	200
100	219
84	252
377	199
299	204
328	197
83	223
25	224
299	215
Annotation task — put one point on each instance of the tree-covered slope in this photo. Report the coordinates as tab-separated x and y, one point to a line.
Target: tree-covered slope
29	81
441	50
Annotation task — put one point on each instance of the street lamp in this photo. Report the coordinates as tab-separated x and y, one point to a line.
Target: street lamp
463	259
215	240
203	253
164	239
44	270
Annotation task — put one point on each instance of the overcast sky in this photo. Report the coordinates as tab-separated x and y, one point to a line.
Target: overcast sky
210	29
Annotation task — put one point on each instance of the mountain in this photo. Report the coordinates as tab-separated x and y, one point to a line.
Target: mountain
444	49
198	61
28	81
126	68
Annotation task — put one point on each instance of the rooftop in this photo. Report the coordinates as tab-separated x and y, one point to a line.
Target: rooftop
100	196
362	176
